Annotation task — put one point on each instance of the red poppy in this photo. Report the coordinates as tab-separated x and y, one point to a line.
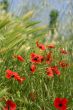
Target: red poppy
41	46
21	79
15	75
63	64
56	70
20	58
10	105
18	78
49	58
36	58
63	51
60	103
9	74
51	46
53	70
32	68
50	72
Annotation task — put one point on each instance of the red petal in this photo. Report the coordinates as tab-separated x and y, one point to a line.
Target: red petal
63	51
36	58
62	101
20	80
41	46
51	46
33	68
50	72
10	104
56	70
9	74
20	58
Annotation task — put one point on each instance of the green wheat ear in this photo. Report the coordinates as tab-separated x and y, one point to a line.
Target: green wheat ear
15	32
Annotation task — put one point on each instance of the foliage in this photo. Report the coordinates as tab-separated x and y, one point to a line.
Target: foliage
15	32
53	20
5	4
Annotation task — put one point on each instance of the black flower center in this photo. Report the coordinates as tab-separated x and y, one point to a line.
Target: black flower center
40	46
35	58
48	59
12	76
42	59
8	107
60	105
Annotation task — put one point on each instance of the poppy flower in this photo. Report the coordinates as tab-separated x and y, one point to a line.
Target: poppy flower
51	46
15	75
9	74
18	78
63	64
56	70
21	79
32	68
41	46
19	58
36	58
63	51
49	58
10	105
52	70
61	103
